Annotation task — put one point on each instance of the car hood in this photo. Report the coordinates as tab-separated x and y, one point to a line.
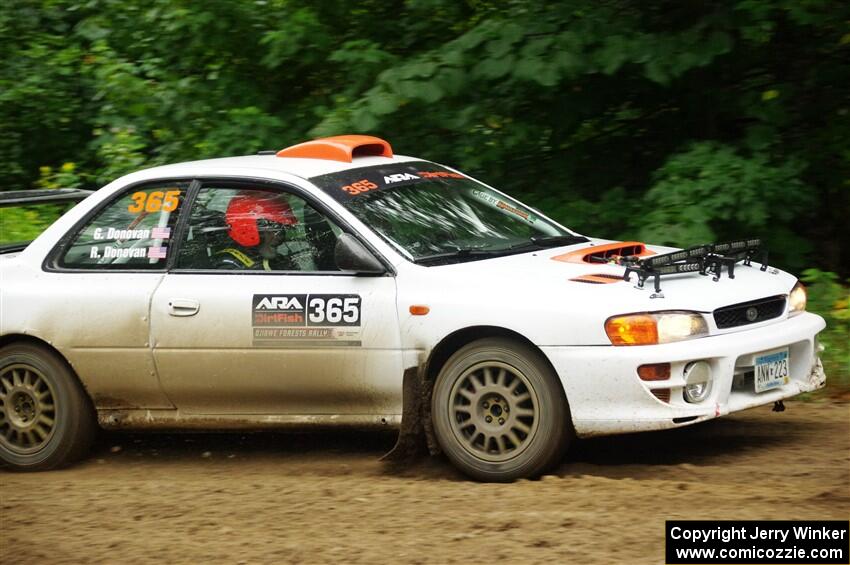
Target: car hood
564	274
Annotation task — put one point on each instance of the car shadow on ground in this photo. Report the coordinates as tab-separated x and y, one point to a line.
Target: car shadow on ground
705	443
246	443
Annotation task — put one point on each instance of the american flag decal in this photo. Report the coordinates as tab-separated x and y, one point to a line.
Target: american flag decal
161	233
156	252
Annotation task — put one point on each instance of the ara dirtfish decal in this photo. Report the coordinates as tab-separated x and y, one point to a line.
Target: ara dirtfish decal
311	320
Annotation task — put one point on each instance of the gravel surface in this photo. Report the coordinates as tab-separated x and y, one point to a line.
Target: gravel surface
317	498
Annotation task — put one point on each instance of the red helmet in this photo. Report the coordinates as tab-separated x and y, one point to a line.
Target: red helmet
246	209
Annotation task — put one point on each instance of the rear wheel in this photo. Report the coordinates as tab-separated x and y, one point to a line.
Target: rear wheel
46	420
499	412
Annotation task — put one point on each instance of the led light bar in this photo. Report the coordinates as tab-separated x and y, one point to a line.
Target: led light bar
707	259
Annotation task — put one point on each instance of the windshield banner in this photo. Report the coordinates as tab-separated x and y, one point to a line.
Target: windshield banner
350	185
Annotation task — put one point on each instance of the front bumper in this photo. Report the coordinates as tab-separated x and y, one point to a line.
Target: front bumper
606	395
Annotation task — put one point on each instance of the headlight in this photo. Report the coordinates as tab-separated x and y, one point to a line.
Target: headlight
655	327
797	299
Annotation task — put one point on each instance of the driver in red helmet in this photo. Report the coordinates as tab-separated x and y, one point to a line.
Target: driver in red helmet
257	222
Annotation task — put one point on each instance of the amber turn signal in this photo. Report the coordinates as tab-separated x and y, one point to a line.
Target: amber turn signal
419	310
632	330
654	372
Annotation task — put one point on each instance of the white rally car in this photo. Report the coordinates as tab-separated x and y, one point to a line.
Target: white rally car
334	283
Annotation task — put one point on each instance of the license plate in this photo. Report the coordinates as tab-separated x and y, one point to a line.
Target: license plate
771	370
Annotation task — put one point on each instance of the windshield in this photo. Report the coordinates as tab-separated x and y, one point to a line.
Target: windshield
431	212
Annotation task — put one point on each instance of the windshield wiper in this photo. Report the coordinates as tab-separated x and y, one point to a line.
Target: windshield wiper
542	241
536	242
460	254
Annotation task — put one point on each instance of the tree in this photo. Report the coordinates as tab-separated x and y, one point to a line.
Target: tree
621	118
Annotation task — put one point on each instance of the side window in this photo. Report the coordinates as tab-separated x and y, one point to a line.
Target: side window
256	229
132	232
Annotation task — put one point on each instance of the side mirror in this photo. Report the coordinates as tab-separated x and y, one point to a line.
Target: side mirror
351	255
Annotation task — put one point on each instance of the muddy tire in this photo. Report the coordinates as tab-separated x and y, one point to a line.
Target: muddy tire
499	412
46	419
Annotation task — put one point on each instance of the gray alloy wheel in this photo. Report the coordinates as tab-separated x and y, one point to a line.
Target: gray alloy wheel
46	420
499	411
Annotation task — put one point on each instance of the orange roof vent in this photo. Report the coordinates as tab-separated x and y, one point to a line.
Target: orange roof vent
340	148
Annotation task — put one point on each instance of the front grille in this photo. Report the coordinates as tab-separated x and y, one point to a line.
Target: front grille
744	379
751	312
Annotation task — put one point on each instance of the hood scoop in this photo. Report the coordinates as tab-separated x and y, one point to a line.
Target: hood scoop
605	253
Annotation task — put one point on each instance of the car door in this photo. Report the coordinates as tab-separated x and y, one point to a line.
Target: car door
255	318
106	273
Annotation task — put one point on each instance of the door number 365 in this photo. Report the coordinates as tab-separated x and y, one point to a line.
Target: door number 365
333	310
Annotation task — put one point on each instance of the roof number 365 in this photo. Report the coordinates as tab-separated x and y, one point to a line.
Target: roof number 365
154	201
359	187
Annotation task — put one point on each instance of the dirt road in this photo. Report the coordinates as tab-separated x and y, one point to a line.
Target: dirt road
315	498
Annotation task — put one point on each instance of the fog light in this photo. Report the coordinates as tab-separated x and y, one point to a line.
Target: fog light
697	381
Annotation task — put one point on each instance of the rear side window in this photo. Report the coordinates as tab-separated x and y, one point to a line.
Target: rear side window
134	231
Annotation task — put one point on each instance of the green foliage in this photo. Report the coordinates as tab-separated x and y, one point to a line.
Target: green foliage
829	298
65	176
708	191
24	224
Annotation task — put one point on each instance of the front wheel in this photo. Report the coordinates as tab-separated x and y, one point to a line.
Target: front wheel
499	412
46	419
